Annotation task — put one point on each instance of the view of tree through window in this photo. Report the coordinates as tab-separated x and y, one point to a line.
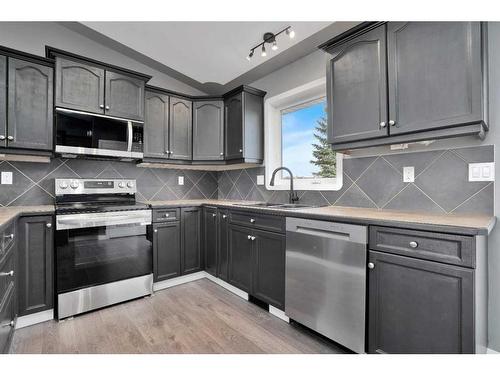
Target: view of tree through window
303	139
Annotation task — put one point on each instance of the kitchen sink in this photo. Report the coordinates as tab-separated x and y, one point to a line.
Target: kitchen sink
281	206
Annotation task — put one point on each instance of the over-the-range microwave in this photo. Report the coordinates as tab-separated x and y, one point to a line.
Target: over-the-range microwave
85	134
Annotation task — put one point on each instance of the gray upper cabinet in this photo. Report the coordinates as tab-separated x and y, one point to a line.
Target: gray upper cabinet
357	88
181	139
30	105
435	75
208	130
124	96
35	254
79	86
233	107
419	306
156	125
3	101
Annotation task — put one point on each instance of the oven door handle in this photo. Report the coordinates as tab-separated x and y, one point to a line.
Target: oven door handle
89	222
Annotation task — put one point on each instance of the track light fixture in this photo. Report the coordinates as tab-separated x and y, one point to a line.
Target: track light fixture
271	39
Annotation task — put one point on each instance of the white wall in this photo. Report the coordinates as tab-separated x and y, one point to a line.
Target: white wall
32	37
313	66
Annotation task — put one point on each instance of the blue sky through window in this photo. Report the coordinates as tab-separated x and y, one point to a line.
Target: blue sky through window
297	138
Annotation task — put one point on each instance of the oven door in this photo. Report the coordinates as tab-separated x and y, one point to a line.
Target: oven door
109	247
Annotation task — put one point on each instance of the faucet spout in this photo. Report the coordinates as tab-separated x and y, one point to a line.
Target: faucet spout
293	197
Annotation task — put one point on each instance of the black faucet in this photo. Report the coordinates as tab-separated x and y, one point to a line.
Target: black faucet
293	197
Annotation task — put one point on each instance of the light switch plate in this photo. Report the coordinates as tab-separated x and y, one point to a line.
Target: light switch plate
180	180
409	174
6	178
482	172
260	179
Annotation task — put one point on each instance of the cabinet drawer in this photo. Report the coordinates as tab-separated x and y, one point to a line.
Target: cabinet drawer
162	215
8	236
5	277
439	247
266	222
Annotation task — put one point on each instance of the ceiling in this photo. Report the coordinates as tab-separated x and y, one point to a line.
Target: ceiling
207	52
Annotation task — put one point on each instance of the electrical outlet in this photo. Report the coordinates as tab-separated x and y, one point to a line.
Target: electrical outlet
6	178
180	180
481	172
260	179
409	174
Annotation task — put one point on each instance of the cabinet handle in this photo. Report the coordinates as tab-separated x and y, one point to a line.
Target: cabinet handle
107	107
155	230
253	238
413	244
9	236
167	215
241	150
382	124
101	106
2	137
221	154
392	122
252	221
11	324
249	237
214	215
371	265
10	273
10	138
49	225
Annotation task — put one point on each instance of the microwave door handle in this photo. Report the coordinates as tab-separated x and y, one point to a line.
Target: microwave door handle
130	134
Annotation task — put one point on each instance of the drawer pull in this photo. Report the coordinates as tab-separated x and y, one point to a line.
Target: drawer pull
9	236
224	216
214	215
167	215
413	244
155	230
371	265
252	221
10	273
49	225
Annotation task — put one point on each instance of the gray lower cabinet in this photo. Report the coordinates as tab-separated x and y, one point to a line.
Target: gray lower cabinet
3	101
35	259
240	257
7	318
124	96
192	259
210	240
419	306
357	88
166	250
223	245
269	271
156	142
79	86
180	133
208	130
30	105
8	286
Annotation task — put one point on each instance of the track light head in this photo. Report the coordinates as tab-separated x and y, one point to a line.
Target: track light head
250	55
290	33
263	53
274	46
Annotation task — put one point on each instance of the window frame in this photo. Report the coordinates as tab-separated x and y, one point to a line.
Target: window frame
273	108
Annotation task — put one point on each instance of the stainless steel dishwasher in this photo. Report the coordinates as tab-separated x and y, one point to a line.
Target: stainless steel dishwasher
326	279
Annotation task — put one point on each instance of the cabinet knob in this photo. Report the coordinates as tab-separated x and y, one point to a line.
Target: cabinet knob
392	122
252	221
371	265
241	150
107	107
101	106
224	216
49	225
2	137
167	215
382	124
10	324
214	215
413	244
249	237
10	138
253	238
155	230
10	273
9	236
221	154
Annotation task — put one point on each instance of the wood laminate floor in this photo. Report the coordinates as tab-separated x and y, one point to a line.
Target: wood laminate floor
197	317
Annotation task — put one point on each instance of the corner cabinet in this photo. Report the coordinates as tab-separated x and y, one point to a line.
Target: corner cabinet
3	101
431	84
208	130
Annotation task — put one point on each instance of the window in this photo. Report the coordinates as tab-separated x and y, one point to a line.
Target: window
296	131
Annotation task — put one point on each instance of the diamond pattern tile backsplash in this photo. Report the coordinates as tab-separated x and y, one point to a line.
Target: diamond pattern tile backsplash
441	183
33	183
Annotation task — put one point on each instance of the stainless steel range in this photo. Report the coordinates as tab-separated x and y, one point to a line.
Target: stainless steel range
103	244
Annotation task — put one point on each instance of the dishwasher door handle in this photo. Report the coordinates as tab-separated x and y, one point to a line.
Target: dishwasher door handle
328	229
342	236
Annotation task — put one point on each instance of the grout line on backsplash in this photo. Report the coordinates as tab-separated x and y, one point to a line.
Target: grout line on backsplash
399	192
472	196
432	162
392	166
427	195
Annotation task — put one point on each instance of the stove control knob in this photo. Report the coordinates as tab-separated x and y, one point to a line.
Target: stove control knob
121	185
130	184
74	184
63	185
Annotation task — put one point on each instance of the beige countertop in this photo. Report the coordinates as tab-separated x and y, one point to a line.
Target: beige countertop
465	223
9	213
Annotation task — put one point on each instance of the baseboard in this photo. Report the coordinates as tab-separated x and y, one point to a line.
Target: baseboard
240	293
491	351
29	320
178	281
278	313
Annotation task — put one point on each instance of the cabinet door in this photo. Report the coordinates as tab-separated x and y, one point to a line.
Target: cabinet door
418	306
124	96
357	89
36	246
79	86
435	76
166	250
3	101
208	130
223	248
156	125
191	254
181	129
240	257
7	319
210	239
269	268
233	107
30	120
